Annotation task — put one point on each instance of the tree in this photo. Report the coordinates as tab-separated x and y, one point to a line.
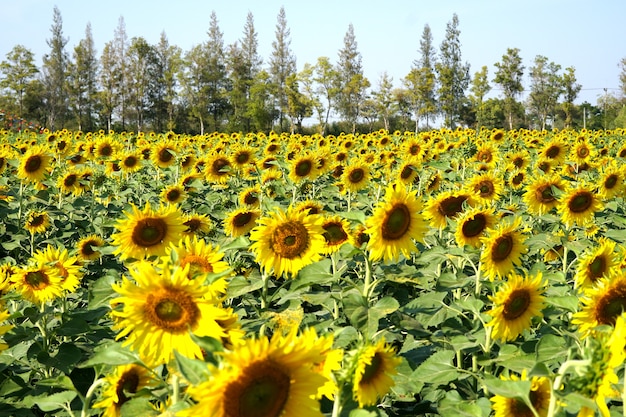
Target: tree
119	48
545	88
261	110
327	79
110	83
195	83
55	70
479	89
622	77
509	78
282	65
19	71
309	90
142	80
453	74
168	64
83	82
383	99
217	76
570	92
299	106
352	83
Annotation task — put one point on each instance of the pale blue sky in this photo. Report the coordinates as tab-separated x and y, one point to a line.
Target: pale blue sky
588	35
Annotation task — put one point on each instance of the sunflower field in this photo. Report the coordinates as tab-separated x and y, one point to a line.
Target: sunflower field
449	272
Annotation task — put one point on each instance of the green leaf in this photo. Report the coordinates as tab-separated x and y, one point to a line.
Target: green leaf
51	402
138	406
550	347
437	369
193	370
62	381
452	405
569	303
67	356
316	273
112	354
507	388
240	285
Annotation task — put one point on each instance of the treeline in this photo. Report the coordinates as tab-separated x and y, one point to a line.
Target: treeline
133	85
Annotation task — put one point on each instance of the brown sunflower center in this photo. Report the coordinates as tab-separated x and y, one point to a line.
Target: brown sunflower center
165	155
414	149
544	166
583	152
87	248
149	231
172	310
553	151
130	161
397	222
485	188
502	247
33	163
580	202
173	195
192	225
451	206
37	280
262	391
197	264
407	171
290	239
303	168
372	369
474	226
217	168
37	220
519	408
250	198
70	180
242	219
597	267
105	150
610	181
127	384
356	175
611	305
517	304
544	194
517	178
242	157
334	234
484	156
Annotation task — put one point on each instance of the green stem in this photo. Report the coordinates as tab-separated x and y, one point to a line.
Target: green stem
265	279
175	388
92	389
478	278
337	406
552	407
367	282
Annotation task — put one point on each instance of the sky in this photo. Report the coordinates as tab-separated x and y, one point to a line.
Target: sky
587	35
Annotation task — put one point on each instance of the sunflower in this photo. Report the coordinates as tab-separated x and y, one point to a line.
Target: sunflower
407	172
541	194
579	205
336	233
250	196
375	364
612	181
88	246
34	164
240	221
596	264
582	152
518	160
303	168
502	248
539	396
310	207
472	225
554	150
601	304
106	147
516	303
218	168
286	241
146	233
203	257
122	385
262	378
395	224
159	309
197	224
487	154
486	187
4	328
446	206
37	222
37	283
163	154
66	266
355	176
70	183
242	156
173	194
130	161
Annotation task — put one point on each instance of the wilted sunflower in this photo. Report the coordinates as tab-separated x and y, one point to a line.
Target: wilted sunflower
541	194
37	222
444	206
173	194
394	225
539	396
601	304
579	205
147	233
286	241
37	283
262	377
158	310
355	176
240	221
66	266
598	263
502	248
88	246
472	225
516	303
486	187
375	364
336	232
122	385
34	164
